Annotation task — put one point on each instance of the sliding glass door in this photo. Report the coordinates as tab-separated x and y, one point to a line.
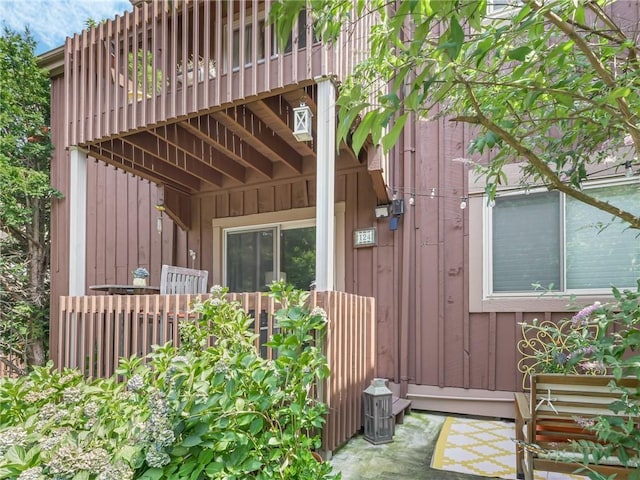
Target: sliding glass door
255	257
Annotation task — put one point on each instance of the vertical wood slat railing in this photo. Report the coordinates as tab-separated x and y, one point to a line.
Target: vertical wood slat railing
131	72
95	331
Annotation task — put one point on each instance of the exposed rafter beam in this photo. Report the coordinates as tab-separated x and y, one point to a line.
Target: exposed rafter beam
162	151
196	148
295	97
256	134
225	141
177	205
124	156
269	111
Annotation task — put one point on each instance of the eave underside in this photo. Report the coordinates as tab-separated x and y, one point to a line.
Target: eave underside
223	148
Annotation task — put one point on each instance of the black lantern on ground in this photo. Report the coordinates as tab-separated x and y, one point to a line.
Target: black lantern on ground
378	418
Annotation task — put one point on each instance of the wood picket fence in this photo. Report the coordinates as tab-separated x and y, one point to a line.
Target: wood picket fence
92	333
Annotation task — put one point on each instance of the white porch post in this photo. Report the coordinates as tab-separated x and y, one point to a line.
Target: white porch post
325	185
77	220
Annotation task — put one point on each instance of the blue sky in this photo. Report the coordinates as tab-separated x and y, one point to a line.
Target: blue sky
51	21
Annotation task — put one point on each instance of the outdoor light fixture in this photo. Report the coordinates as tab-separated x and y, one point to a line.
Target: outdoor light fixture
382	211
302	128
378	417
397	207
160	208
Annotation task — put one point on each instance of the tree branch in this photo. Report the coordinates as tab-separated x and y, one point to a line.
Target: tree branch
12	366
597	65
544	169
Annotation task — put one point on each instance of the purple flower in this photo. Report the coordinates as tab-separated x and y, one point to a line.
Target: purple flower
583	315
585	423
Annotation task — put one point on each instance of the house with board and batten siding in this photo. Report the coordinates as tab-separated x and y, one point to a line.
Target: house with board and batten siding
174	133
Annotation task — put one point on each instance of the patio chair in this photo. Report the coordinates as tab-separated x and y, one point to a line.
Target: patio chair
180	280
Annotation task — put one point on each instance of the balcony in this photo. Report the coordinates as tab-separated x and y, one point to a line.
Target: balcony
133	71
197	96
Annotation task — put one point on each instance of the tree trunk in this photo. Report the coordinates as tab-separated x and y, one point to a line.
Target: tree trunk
35	352
34	349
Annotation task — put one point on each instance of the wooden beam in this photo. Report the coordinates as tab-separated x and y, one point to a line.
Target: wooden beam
160	172
160	150
196	148
226	142
177	205
269	111
171	173
257	134
375	158
295	97
348	152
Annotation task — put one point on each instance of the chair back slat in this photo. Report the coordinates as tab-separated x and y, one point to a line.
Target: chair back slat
557	400
182	281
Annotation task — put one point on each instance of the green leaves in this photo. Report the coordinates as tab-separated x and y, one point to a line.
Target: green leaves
519	53
453	39
25	193
190	411
559	78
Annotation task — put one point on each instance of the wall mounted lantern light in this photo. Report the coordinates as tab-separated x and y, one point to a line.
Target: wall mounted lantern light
302	127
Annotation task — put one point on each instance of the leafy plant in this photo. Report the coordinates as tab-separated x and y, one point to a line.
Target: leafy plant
552	84
599	339
142	67
25	196
209	408
140	272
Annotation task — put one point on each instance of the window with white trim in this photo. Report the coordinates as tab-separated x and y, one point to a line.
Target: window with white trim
256	256
548	240
498	6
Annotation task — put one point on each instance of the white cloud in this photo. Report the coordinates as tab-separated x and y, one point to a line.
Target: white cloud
51	21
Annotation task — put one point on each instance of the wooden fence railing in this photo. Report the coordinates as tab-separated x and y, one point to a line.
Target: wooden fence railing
95	331
10	366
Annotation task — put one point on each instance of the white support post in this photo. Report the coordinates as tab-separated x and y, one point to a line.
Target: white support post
77	221
325	185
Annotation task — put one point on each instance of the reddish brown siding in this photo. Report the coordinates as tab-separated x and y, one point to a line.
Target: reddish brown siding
419	274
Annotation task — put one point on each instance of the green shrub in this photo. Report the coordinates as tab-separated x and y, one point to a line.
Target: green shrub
192	412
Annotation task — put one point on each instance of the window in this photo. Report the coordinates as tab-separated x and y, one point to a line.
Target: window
248	46
557	242
254	257
248	43
498	6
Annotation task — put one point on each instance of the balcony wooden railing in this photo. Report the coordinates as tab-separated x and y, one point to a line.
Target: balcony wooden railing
169	60
93	332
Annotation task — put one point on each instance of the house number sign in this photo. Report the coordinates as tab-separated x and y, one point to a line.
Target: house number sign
365	237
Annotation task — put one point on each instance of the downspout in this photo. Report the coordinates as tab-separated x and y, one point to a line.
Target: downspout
408	254
407	288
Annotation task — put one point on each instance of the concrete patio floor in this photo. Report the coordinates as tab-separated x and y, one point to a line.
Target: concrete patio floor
408	457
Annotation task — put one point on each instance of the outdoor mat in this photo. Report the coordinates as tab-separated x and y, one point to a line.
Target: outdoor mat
481	447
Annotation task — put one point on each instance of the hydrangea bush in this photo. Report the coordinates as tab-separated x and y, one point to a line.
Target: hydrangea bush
598	339
208	409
